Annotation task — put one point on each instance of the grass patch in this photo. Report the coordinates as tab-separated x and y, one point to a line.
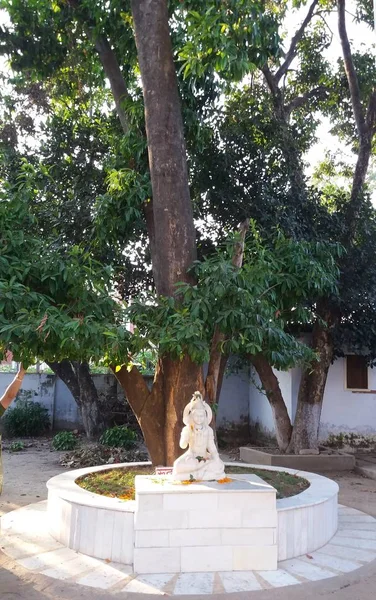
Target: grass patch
119	483
286	484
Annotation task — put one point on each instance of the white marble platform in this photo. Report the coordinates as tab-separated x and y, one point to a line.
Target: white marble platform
205	526
25	539
104	527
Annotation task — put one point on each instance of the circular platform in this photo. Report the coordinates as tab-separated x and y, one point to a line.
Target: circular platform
103	527
26	540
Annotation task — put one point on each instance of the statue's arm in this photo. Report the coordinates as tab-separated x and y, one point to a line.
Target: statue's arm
212	448
184	437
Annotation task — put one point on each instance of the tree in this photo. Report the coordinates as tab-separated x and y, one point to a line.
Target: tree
159	411
259	146
99	35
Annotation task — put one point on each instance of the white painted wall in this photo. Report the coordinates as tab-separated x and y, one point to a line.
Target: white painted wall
343	410
52	393
346	411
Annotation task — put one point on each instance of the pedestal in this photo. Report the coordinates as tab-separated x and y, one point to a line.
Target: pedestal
207	526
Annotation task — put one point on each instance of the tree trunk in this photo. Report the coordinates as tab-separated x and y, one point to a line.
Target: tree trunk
175	245
305	433
180	380
269	380
159	411
78	379
89	402
174	239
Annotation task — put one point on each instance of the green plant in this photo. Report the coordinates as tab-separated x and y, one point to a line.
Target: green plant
27	418
16	446
118	437
64	440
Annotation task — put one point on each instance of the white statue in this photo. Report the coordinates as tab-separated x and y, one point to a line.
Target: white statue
201	461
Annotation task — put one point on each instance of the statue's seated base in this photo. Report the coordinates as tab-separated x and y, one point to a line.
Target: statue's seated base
205	526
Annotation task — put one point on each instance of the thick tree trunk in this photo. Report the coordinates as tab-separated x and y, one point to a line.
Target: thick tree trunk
78	379
174	239
273	392
305	433
175	246
160	411
89	402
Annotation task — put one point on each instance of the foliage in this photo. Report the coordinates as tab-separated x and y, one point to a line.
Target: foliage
256	306
118	437
26	419
16	446
64	440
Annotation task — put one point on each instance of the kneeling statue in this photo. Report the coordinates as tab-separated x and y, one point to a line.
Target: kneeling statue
201	461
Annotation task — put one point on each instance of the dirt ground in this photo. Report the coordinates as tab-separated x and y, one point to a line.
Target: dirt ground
26	474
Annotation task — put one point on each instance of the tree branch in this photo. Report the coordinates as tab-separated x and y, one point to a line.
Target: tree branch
299	101
110	66
294	42
352	77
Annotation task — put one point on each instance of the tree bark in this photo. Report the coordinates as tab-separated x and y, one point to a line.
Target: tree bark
79	381
305	433
269	380
148	406
175	246
159	411
174	238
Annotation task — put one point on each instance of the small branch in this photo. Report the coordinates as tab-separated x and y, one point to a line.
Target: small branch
294	42
352	77
299	101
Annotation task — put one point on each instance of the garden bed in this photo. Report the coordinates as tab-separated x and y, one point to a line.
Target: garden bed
119	482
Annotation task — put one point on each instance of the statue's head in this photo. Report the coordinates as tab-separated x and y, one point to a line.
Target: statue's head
197	412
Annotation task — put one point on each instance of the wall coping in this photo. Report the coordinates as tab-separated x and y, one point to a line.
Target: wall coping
64	486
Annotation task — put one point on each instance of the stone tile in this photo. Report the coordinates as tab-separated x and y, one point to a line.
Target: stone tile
247	501
208	519
149	584
72	568
103	578
159	519
197	501
194	583
295	566
248	537
153	538
354	543
254	558
17	547
244	581
332	562
194	537
156	560
206	558
355	519
48	559
347	510
358	526
261	518
279	578
149	502
347	553
357	533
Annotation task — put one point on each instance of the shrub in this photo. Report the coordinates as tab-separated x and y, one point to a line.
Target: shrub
26	419
64	440
16	446
118	437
